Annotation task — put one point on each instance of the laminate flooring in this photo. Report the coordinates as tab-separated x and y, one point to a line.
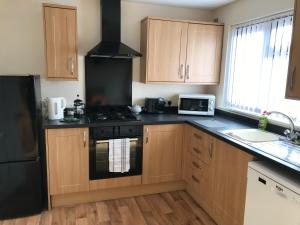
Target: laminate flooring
171	208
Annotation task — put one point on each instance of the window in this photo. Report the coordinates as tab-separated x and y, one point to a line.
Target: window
258	68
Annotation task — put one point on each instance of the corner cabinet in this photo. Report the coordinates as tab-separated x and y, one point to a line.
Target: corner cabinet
177	51
216	176
162	153
60	27
229	184
293	81
67	160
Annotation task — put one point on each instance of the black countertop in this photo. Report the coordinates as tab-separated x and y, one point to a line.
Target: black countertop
226	121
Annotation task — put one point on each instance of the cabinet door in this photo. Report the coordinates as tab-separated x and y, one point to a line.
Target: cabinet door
229	183
293	82
162	157
61	42
166	51
204	49
67	158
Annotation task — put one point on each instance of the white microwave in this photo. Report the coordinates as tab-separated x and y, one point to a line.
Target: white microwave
193	104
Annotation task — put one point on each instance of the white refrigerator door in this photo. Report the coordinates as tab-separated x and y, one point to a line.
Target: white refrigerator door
269	203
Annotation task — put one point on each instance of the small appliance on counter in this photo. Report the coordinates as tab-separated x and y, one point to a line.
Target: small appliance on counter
69	112
79	108
155	105
197	104
56	108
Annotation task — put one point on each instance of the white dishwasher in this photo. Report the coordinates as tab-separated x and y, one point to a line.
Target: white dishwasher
273	196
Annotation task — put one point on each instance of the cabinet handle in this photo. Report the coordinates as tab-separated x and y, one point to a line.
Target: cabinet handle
147	138
197	150
72	65
84	139
195	179
187	72
292	75
211	146
197	136
196	165
180	72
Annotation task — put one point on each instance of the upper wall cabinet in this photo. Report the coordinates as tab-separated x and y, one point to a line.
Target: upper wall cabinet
61	41
181	51
293	82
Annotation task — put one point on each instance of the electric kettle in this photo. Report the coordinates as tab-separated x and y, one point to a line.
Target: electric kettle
56	108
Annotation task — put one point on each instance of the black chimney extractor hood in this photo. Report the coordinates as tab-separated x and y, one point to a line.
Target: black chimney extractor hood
111	45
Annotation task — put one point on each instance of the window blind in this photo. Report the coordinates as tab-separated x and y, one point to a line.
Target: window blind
258	68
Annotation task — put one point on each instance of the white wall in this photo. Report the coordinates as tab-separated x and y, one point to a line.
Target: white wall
22	42
239	12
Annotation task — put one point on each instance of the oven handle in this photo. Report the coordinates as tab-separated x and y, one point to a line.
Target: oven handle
106	141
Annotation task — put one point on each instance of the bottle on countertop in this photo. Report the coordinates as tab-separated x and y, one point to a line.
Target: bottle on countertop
263	121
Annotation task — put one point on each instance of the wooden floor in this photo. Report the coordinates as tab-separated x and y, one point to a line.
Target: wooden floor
172	208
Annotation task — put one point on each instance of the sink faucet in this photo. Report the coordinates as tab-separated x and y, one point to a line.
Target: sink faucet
290	134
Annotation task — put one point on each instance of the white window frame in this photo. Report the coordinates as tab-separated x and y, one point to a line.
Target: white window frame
227	69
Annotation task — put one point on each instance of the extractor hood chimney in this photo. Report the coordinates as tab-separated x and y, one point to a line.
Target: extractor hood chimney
111	45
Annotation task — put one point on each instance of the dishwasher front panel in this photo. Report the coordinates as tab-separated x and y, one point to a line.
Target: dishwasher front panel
270	203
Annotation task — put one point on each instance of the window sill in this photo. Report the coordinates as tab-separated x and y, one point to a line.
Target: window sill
256	116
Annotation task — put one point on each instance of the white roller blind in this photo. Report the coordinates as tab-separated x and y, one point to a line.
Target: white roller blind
258	67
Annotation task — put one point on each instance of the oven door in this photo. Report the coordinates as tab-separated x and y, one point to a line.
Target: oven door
99	159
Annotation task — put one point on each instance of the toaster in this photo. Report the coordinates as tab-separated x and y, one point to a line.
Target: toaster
155	105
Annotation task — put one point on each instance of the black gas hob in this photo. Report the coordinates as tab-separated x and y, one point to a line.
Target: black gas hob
111	114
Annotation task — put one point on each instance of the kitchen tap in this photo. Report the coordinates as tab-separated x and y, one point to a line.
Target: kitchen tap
290	134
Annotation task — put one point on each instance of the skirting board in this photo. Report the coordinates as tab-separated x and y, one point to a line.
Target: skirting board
115	193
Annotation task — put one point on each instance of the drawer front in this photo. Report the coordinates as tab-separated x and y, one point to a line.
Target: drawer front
199	168
199	182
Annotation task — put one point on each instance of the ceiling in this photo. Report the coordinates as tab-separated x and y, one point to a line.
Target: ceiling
207	4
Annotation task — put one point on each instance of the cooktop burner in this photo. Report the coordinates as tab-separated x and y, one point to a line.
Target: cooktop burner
112	114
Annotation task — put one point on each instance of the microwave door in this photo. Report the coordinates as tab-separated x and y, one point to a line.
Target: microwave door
197	105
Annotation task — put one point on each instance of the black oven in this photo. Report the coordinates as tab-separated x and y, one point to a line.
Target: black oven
99	150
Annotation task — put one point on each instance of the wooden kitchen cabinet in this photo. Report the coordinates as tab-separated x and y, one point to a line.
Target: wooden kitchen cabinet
197	164
204	50
162	153
229	183
60	27
67	160
176	51
217	177
166	55
293	81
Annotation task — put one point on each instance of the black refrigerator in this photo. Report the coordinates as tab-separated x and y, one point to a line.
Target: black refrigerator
20	166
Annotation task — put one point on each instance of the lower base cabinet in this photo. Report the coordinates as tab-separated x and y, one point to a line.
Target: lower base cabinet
215	173
162	153
229	183
67	160
219	184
